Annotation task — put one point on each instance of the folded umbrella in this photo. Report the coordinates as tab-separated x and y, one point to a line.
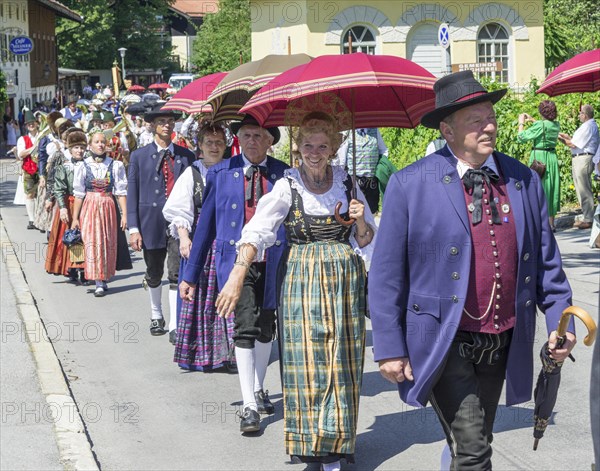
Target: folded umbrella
546	389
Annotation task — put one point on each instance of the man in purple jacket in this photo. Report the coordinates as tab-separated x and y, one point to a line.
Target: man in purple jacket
463	257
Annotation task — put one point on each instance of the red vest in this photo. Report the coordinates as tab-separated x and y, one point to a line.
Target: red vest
250	206
490	302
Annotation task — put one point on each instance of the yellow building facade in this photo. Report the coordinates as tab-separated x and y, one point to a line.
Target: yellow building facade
511	33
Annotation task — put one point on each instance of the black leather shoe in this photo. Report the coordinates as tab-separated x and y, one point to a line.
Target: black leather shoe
173	337
31	226
157	327
250	421
264	405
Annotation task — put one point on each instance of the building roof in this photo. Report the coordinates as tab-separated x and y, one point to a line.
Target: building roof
195	8
61	10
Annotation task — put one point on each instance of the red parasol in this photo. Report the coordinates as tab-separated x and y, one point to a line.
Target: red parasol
136	88
158	86
192	98
579	74
380	91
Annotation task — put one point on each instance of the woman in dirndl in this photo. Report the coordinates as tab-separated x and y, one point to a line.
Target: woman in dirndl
204	340
543	134
56	150
58	260
322	296
94	183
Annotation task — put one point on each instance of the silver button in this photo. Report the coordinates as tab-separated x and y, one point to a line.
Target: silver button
234	206
487	211
154	204
447	179
526	256
496	264
528	303
527	279
495	253
236	174
497	275
492	233
498	285
485	200
490	222
154	156
416	307
273	176
497	306
455	299
232	242
518	186
455	276
232	223
155	179
498	296
157	191
178	161
493	243
496	326
277	243
453	250
496	317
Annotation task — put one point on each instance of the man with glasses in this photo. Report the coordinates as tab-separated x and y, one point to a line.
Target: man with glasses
153	170
233	188
584	145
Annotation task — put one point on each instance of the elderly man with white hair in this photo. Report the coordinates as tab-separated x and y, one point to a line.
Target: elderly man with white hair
233	189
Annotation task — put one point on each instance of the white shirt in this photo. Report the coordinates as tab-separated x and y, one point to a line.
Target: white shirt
145	138
273	208
99	170
21	146
462	167
586	138
179	209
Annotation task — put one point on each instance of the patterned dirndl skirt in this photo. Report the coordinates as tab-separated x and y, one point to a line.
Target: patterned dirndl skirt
204	340
58	261
99	235
323	307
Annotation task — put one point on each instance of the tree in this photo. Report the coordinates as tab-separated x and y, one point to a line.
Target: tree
137	25
571	27
3	94
223	37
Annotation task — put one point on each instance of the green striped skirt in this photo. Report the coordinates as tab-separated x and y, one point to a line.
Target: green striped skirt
323	317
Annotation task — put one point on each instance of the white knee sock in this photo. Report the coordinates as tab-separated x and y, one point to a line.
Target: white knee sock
262	355
245	365
446	459
173	293
335	466
155	302
30	207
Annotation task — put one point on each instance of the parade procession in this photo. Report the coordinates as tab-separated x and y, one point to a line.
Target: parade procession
304	236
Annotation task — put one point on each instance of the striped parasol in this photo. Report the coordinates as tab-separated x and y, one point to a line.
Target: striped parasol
379	90
242	82
577	75
192	98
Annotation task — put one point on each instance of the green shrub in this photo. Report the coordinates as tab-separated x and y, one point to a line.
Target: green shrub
408	145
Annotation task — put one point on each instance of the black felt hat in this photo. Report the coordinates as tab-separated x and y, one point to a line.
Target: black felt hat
157	112
456	91
250	121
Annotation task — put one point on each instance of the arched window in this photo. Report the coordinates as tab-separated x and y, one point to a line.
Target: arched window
363	40
492	46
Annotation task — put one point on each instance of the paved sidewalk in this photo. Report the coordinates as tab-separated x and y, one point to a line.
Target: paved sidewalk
27	439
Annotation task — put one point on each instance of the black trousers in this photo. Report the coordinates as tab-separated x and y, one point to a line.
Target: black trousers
370	188
155	264
466	396
253	323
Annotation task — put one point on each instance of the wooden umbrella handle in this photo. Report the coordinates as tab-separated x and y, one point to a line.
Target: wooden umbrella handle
339	218
585	318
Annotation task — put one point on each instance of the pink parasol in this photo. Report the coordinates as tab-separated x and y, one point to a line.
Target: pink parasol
378	90
192	98
158	86
136	88
579	74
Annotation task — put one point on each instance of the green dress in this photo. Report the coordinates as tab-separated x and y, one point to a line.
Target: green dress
544	135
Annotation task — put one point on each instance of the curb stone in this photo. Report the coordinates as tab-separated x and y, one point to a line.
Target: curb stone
71	437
